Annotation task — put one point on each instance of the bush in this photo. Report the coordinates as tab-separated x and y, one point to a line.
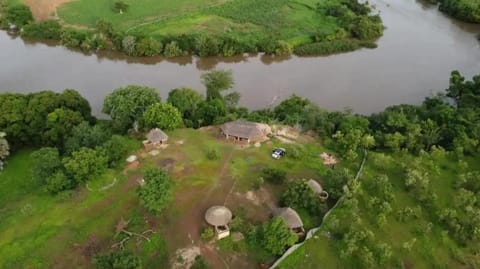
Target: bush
173	50
207	234
324	48
117	260
148	47
207	46
129	45
19	15
258	182
274	175
45	29
200	263
72	38
58	182
212	154
283	48
367	28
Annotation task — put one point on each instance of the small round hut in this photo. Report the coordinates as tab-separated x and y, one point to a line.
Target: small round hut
291	218
317	188
219	217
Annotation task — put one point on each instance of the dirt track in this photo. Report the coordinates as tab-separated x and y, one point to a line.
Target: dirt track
44	9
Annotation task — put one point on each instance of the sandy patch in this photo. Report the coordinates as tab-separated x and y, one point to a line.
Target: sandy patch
185	257
44	9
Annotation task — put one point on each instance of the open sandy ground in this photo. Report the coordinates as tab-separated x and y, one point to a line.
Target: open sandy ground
44	9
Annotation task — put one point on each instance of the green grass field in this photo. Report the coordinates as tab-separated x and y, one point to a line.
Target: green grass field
293	21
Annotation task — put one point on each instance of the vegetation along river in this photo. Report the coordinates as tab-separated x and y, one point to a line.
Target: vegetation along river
416	54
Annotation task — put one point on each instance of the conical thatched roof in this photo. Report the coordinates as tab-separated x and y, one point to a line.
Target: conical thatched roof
218	216
156	135
315	186
290	216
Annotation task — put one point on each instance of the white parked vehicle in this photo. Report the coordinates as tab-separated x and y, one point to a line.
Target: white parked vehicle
278	153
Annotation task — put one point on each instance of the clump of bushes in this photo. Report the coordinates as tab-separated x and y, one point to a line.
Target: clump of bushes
274	175
324	48
18	15
207	233
46	30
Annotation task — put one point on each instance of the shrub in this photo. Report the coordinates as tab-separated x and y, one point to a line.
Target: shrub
172	49
207	46
274	236
84	164
212	154
367	28
283	48
120	7
329	47
200	263
45	29
258	182
58	182
274	175
118	260
19	15
148	47
207	234
129	45
72	38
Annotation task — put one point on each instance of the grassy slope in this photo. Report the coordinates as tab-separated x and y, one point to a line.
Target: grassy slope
434	249
38	230
294	21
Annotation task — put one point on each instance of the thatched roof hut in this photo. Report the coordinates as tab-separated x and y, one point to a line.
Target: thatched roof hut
246	130
290	216
156	136
218	216
315	186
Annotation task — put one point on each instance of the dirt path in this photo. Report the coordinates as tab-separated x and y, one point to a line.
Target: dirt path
44	9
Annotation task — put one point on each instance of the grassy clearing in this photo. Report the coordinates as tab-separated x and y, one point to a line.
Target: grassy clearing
39	230
433	246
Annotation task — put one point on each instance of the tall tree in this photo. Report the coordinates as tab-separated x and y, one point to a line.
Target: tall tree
59	126
84	164
127	105
162	115
275	237
186	101
46	162
217	81
157	192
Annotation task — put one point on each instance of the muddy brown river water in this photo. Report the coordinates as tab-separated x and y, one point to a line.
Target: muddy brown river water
413	60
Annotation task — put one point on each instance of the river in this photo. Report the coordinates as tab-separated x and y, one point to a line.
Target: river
413	60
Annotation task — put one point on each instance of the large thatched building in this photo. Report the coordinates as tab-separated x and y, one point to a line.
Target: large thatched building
291	218
155	138
219	217
241	130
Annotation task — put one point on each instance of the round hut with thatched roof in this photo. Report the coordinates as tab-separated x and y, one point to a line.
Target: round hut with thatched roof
155	138
291	218
317	188
219	217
